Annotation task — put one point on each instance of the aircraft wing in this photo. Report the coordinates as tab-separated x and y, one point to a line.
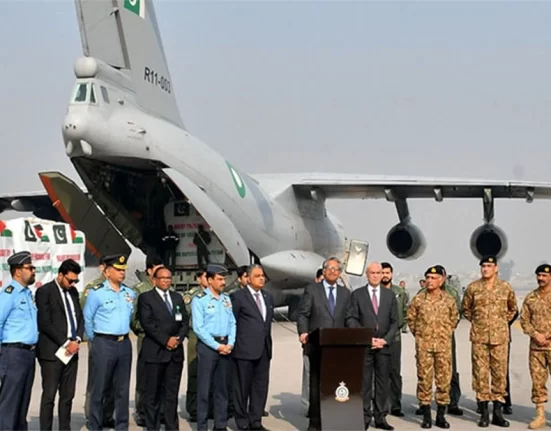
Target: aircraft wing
394	188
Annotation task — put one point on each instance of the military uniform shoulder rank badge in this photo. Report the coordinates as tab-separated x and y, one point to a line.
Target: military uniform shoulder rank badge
9	289
227	303
342	394
128	297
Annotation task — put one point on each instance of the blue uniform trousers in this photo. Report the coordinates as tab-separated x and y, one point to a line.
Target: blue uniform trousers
17	368
212	371
112	362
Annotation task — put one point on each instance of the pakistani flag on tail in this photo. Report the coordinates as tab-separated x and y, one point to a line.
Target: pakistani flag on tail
136	6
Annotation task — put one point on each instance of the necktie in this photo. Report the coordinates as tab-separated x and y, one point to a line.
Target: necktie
374	302
259	304
168	303
331	300
70	314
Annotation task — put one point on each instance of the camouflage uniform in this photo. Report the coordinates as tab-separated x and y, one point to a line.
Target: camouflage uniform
109	403
535	318
141	287
395	351
191	392
489	310
455	388
432	321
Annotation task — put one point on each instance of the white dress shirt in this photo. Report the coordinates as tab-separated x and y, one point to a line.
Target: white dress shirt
262	303
72	307
326	285
160	292
377	294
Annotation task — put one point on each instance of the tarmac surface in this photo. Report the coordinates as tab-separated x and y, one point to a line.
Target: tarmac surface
284	403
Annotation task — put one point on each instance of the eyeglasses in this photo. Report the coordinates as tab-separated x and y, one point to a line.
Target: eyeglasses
71	280
332	268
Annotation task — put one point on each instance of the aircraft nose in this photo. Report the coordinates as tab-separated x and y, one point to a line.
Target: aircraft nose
74	127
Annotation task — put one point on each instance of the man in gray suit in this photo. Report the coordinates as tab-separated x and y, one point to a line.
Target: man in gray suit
376	308
322	306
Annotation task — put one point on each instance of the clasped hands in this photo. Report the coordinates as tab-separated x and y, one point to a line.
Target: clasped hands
377	343
172	343
224	349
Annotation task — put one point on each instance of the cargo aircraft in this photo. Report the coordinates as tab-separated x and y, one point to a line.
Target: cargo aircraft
124	135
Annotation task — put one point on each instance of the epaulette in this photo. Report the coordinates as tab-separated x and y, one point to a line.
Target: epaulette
193	290
97	286
200	294
9	289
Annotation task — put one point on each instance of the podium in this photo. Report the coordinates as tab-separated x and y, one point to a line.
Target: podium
337	363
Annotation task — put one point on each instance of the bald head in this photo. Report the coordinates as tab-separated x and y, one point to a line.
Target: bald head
374	273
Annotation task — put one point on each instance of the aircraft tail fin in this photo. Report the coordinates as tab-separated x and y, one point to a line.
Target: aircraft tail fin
125	35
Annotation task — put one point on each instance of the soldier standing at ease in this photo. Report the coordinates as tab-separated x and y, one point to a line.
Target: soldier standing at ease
455	388
107	316
535	319
191	392
151	265
489	304
109	401
18	338
241	283
432	318
214	325
395	349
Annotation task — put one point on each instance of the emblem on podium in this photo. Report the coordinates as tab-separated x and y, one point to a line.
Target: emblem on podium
342	393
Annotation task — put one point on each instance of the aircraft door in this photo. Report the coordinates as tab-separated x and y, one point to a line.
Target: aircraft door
82	213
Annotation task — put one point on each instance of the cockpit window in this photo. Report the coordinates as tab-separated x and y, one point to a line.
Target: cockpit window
92	94
104	94
81	94
85	93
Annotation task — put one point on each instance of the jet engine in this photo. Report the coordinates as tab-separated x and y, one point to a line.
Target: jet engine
406	241
488	239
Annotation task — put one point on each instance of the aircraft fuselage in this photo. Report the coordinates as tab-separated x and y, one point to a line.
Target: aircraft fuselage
109	126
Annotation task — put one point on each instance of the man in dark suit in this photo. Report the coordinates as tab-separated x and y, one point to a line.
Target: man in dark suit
376	308
164	319
252	353
60	325
322	305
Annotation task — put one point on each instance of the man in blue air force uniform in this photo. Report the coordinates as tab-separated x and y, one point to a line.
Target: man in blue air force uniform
107	316
214	325
18	338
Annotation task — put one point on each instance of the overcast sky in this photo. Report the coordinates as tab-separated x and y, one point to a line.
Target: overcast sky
436	88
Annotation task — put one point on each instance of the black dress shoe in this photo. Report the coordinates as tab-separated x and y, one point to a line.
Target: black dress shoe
383	425
265	414
140	420
398	413
110	423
